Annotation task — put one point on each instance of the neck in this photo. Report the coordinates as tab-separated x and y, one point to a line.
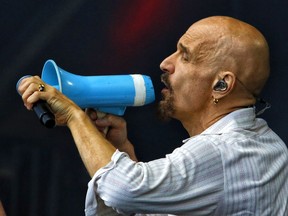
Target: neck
195	124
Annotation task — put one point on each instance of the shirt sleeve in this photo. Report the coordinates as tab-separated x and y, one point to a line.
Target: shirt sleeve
190	180
94	205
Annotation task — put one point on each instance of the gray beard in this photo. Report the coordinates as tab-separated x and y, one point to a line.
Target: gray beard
166	108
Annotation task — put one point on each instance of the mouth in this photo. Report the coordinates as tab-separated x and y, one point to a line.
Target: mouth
165	81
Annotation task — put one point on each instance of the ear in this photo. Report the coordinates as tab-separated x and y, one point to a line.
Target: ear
223	84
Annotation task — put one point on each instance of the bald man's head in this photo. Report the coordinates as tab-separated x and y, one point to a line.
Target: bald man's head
229	44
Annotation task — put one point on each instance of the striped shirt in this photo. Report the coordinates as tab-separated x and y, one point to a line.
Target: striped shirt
238	166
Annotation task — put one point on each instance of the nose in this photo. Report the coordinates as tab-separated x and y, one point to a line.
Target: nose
167	65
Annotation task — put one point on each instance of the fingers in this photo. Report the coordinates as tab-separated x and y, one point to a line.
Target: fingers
30	96
91	113
25	82
104	121
32	89
111	121
94	115
99	118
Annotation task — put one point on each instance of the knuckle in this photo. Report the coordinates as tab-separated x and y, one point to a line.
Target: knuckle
53	91
122	122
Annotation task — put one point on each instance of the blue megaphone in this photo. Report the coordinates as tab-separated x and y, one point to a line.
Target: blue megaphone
107	94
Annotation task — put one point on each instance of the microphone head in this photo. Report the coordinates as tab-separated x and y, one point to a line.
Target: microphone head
19	81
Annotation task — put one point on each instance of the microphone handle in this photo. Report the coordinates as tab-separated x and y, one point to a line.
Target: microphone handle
44	114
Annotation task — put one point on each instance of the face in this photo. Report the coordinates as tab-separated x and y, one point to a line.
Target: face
187	79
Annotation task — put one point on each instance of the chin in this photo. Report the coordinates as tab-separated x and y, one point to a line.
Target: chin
165	110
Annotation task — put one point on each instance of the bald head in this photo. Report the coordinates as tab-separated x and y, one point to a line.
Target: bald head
229	44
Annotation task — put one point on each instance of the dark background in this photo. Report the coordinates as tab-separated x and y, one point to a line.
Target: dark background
41	172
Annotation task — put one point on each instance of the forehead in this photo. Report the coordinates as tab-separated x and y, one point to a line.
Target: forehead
202	42
193	36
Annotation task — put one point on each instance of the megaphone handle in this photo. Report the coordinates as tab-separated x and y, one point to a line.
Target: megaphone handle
101	115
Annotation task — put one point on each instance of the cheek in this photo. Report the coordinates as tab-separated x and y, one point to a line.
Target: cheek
191	93
183	94
187	86
191	86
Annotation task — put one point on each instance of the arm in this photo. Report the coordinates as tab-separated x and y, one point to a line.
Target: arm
94	149
116	133
184	182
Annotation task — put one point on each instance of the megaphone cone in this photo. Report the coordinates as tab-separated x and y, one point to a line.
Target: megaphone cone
108	94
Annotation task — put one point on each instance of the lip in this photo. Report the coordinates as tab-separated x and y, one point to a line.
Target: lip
165	83
165	90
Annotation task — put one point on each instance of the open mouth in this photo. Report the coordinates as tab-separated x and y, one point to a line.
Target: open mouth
165	81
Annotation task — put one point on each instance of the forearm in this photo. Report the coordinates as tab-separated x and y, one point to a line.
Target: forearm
93	148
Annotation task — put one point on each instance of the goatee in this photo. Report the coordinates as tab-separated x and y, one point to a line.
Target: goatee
166	105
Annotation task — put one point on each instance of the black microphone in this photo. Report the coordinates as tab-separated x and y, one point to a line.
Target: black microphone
41	109
44	114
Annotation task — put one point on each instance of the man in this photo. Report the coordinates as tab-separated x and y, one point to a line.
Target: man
232	164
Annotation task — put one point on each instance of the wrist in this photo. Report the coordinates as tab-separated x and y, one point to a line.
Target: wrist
76	116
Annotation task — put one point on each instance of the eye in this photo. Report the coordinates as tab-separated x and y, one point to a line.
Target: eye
185	57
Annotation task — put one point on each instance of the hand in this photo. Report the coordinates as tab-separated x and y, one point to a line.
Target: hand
62	107
2	211
116	133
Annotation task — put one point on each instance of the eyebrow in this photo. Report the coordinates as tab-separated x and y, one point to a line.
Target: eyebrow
183	48
186	50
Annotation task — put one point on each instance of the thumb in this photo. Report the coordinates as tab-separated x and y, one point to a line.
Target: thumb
103	122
